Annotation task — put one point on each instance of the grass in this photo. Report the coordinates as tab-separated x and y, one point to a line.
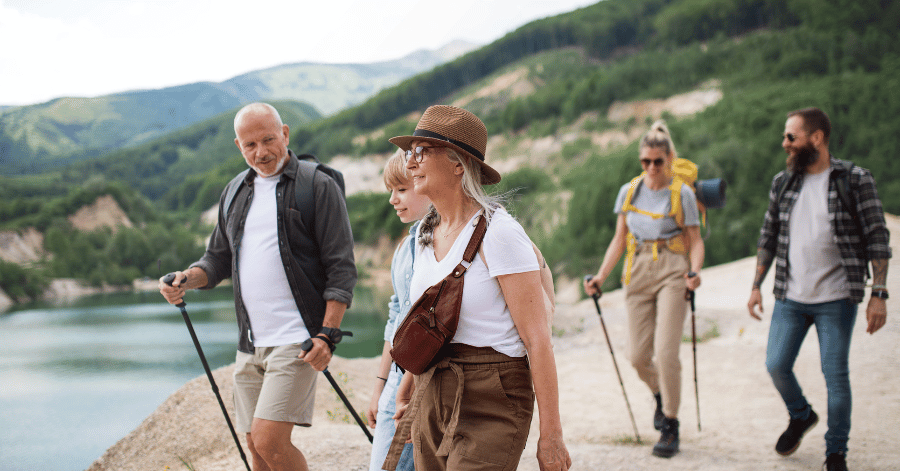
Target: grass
623	439
339	413
187	464
711	333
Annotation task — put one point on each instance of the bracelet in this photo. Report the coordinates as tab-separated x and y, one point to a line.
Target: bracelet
383	379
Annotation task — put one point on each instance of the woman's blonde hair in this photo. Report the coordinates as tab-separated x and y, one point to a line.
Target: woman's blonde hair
395	171
659	137
471	186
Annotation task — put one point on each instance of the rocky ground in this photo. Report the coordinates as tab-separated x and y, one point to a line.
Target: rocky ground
740	411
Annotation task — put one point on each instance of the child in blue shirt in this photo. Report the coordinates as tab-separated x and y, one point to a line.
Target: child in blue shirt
410	207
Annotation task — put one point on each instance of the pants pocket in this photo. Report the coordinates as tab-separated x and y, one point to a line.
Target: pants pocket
495	416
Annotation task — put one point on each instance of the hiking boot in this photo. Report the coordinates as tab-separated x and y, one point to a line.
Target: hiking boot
658	416
668	441
797	428
835	462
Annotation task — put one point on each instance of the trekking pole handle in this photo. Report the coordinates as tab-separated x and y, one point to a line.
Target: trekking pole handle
169	279
690	293
596	296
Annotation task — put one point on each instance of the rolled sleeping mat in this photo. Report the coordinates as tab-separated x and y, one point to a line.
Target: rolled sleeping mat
711	193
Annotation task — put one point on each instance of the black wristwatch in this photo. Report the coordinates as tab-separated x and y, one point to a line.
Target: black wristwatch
332	336
881	293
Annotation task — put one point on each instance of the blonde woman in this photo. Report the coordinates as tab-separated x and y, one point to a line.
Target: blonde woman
473	410
658	223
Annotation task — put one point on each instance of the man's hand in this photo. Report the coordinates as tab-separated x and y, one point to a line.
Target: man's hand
174	294
876	314
552	454
755	301
319	356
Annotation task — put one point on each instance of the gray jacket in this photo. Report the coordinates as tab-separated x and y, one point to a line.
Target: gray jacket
316	246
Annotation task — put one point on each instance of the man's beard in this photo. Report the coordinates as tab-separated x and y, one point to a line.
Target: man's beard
804	157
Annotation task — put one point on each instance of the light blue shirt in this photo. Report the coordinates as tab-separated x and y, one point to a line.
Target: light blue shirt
659	202
401	274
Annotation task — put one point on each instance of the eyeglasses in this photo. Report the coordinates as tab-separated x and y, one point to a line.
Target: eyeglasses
657	161
419	152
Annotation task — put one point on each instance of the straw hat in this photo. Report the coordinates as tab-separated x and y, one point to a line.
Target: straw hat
457	129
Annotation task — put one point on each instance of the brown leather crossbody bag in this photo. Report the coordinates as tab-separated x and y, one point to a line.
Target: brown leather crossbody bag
432	320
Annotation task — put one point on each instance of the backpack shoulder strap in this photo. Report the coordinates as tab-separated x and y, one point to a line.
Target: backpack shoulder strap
629	195
677	212
332	172
305	192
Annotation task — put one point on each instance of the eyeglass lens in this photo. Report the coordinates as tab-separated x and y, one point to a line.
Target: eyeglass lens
658	162
419	152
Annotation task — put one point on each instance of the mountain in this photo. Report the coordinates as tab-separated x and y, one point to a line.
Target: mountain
564	100
333	87
40	137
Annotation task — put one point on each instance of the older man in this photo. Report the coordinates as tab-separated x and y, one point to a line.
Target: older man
293	274
824	224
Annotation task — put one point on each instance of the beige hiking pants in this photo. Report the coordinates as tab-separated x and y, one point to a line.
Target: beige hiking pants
656	312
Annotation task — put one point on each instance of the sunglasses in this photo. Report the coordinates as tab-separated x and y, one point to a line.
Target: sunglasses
791	137
657	161
418	152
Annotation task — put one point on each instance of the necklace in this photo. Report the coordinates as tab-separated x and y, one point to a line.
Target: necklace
454	229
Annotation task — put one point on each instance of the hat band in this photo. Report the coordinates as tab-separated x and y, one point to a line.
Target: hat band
463	145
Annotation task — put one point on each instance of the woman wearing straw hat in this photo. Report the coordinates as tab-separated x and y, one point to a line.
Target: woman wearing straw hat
659	226
473	409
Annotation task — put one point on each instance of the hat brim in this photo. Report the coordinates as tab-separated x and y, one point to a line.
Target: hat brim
489	176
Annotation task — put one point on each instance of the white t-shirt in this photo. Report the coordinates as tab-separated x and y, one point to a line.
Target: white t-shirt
815	272
273	313
484	318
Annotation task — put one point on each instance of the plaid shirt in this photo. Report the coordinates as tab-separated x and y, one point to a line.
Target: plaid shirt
854	255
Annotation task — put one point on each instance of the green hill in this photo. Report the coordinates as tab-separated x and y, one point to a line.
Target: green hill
770	57
546	92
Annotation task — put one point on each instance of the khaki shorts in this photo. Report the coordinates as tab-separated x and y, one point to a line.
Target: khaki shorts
273	384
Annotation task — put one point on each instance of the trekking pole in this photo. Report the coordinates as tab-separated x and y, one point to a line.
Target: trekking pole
690	297
306	346
596	297
169	279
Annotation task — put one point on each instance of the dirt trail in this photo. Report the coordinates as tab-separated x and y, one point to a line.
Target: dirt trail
741	412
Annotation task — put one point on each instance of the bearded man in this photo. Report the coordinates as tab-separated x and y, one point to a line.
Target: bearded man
823	226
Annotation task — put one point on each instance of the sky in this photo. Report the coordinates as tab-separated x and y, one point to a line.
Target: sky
86	48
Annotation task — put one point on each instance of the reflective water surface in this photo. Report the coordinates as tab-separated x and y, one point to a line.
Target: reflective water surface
76	378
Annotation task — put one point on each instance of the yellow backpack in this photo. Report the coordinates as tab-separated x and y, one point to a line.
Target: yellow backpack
684	172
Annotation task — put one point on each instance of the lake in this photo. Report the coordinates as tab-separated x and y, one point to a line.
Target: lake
77	377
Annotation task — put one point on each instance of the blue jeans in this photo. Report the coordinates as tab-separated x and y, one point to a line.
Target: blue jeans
834	327
385	426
